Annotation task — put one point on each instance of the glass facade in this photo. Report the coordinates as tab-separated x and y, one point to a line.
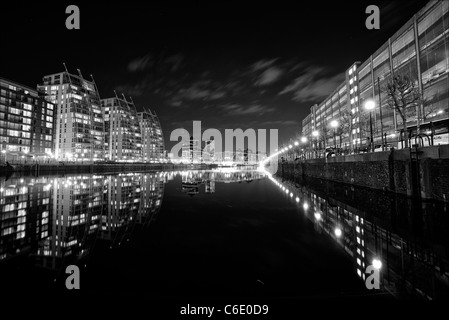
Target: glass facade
419	50
27	124
79	119
153	148
122	130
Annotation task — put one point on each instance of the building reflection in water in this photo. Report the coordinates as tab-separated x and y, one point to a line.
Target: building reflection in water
56	220
25	215
405	239
192	180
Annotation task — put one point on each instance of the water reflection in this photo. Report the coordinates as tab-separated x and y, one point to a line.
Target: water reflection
57	220
192	180
406	240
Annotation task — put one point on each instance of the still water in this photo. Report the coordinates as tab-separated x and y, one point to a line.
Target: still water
217	234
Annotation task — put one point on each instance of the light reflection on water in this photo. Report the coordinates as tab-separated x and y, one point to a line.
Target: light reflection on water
407	240
57	221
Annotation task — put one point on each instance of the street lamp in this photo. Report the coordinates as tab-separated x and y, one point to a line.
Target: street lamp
303	139
4	152
25	152
296	143
370	105
338	232
377	263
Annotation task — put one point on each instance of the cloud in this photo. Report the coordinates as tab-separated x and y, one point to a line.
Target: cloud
313	85
170	64
203	89
217	95
140	64
175	103
236	109
132	90
175	60
262	64
280	123
270	75
192	93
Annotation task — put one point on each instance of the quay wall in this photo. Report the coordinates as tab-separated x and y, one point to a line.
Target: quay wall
421	172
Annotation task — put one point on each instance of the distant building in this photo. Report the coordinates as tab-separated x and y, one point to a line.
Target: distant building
79	134
186	154
27	123
153	147
123	138
195	147
191	151
239	156
208	153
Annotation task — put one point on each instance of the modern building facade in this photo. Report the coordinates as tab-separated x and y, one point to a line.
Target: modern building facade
153	148
420	51
79	120
27	123
123	138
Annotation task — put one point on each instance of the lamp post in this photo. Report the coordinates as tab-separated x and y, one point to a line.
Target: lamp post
303	141
370	105
25	152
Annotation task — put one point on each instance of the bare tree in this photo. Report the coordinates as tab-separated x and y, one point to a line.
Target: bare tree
344	125
323	135
403	96
430	108
365	126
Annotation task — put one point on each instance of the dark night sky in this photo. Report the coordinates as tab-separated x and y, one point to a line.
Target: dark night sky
258	65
